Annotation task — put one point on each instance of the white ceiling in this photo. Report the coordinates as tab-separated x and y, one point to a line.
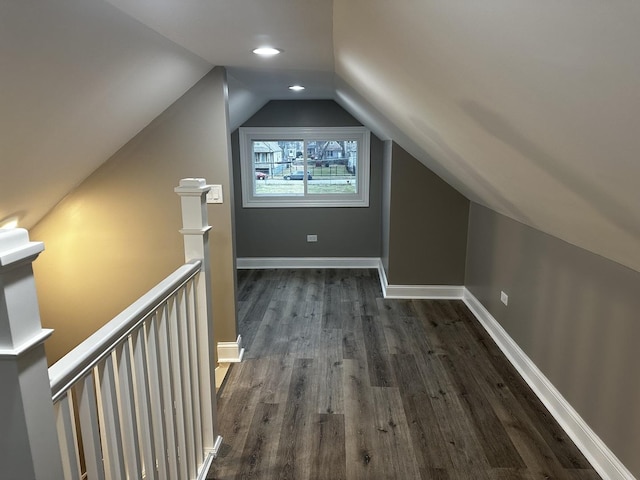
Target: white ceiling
224	32
78	79
529	108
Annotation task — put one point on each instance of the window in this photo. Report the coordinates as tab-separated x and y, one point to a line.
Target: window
304	167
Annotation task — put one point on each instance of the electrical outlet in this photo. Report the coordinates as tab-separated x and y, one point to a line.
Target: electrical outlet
312	238
504	298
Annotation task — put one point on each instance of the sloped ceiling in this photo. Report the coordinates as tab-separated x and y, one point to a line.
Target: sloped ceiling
225	33
78	79
527	107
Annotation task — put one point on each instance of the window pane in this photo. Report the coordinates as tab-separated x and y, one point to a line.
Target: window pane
275	166
304	166
332	166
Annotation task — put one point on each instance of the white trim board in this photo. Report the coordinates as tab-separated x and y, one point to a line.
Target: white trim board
389	291
230	352
425	292
594	449
206	465
306	262
210	456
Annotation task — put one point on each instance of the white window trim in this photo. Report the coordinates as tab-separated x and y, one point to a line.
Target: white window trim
359	199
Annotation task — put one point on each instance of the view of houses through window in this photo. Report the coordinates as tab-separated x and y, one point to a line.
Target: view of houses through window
330	166
305	167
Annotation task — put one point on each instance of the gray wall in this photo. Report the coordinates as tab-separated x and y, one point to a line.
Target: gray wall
427	224
386	203
574	313
282	232
116	235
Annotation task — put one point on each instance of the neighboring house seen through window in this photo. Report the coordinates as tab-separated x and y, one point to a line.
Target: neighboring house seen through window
304	167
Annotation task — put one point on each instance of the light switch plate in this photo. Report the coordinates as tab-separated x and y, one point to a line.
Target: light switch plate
215	194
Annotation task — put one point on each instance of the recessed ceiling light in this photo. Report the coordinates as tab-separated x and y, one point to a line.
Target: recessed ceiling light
266	51
296	88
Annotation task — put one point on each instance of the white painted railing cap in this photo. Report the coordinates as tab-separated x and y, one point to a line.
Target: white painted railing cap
15	246
192	185
193	182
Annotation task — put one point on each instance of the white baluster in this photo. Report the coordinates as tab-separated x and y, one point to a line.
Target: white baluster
185	387
66	425
155	393
143	403
89	427
176	370
128	420
167	391
194	369
110	431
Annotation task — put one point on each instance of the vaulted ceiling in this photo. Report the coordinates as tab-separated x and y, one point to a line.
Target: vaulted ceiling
527	107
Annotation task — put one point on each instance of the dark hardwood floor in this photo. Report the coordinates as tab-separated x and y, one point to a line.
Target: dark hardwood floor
338	383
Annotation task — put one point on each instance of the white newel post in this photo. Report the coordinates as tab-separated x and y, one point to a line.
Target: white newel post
29	446
195	229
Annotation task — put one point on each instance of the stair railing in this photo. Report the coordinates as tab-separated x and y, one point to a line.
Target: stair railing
134	400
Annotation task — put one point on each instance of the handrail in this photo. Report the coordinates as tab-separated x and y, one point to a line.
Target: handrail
79	361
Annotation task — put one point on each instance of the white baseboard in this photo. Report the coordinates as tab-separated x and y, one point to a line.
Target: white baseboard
206	465
230	352
210	457
389	291
594	449
425	292
216	446
306	262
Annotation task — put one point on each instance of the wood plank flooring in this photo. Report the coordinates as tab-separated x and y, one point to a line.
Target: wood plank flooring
339	383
